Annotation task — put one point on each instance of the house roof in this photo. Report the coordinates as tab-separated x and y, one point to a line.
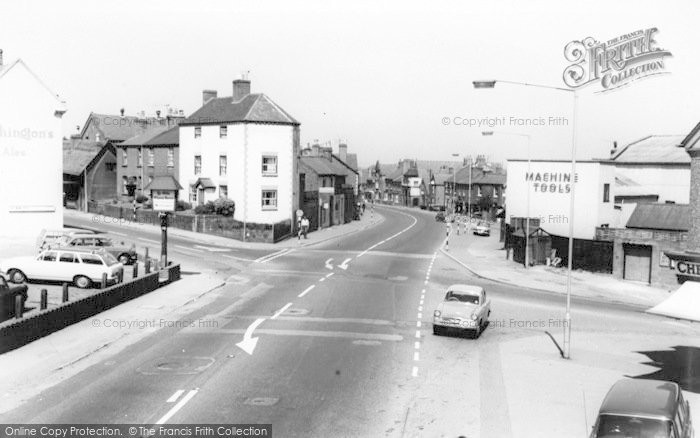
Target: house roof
664	149
253	108
351	160
690	142
159	136
205	183
118	128
5	69
164	182
674	217
480	177
78	154
324	166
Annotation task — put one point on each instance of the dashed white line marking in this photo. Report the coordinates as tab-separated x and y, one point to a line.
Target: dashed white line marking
421	301
176	396
420	315
417	345
322	279
420	308
177	407
423	291
416	356
188	248
415	221
277	254
426	282
330	275
306	291
414	373
237	258
418	334
418	323
148	240
118	234
281	311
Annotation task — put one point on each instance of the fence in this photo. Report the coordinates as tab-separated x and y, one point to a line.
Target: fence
15	333
201	223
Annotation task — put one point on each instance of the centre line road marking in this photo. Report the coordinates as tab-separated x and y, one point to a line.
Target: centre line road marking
176	396
420	308
417	345
148	240
418	334
414	373
177	407
274	255
421	301
416	356
322	279
420	316
237	258
306	291
418	323
415	221
188	248
426	282
330	275
118	234
281	311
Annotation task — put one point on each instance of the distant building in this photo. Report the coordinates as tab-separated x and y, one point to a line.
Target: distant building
243	147
31	194
89	172
102	128
483	187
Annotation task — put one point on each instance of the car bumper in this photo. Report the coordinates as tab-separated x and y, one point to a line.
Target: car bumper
469	325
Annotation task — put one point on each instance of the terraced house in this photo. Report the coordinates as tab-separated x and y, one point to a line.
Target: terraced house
242	147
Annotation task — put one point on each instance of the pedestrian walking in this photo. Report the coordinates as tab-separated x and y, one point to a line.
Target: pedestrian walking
305	225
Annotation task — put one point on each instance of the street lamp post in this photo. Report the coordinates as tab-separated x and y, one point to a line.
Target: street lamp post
454	187
527	208
567	316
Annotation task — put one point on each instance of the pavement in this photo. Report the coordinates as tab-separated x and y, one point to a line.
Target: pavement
335	339
485	257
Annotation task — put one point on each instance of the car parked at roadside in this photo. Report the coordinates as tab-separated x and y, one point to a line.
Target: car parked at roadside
125	254
465	308
7	297
482	229
53	236
82	267
644	408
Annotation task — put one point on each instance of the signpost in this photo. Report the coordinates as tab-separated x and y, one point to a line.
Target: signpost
164	191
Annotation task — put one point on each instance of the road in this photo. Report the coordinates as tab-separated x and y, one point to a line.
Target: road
339	343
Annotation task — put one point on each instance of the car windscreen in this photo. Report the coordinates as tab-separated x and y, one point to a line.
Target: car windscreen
464	298
618	426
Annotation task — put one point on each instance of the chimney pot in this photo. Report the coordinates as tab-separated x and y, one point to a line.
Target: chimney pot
343	152
122	111
207	95
241	88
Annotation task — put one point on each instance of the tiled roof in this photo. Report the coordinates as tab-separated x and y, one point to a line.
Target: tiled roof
324	166
254	108
480	177
77	155
164	182
654	149
351	160
674	217
160	136
118	128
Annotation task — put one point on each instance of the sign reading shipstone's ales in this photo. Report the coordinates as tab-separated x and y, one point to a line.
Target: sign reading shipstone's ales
550	182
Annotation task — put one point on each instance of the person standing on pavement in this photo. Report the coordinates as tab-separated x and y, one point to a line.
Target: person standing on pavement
305	225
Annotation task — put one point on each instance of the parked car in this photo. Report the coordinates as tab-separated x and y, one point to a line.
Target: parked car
53	236
644	408
125	254
440	216
83	267
464	308
482	228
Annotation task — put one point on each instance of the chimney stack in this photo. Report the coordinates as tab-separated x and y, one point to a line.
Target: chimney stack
122	111
241	88
207	95
613	151
316	149
343	152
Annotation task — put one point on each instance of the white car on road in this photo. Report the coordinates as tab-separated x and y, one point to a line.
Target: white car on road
81	267
464	308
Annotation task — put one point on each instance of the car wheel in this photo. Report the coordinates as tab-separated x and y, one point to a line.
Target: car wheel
82	282
124	259
17	276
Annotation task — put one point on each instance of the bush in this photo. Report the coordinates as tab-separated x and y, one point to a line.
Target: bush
224	206
207	208
141	199
182	205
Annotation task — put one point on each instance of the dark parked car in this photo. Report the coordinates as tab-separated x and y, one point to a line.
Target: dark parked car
7	298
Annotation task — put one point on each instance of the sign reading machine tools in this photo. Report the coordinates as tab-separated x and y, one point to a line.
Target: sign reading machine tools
616	62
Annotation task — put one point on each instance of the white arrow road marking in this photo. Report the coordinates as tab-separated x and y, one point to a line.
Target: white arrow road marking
328	264
249	342
281	311
177	407
176	396
344	265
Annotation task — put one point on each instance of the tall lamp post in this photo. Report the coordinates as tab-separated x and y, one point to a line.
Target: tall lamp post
454	187
527	213
567	316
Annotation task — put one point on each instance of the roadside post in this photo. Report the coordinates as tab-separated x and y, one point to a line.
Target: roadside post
44	299
65	291
164	191
19	306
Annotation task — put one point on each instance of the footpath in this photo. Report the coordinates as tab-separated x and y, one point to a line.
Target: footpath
484	257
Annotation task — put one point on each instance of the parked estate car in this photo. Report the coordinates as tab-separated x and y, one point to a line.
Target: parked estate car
644	408
52	237
83	267
440	216
464	308
125	254
482	229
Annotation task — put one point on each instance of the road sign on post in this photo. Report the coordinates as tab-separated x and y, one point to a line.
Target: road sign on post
164	191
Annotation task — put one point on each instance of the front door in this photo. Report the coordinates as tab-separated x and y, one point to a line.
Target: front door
637	263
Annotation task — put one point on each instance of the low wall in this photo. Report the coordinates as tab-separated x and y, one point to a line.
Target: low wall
201	223
15	333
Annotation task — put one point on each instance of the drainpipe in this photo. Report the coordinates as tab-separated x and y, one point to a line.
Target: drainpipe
245	181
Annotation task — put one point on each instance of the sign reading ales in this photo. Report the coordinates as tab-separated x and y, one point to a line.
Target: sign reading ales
550	182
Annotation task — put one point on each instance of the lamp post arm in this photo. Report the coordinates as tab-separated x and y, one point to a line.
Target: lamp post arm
527	84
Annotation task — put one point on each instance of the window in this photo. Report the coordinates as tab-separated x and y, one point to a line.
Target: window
197	132
197	164
193	194
223	131
222	165
139	161
125	157
269	165
66	257
478	191
151	157
171	157
223	191
606	192
269	199
91	259
125	182
49	256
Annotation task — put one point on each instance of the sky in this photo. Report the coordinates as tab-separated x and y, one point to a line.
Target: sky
380	75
